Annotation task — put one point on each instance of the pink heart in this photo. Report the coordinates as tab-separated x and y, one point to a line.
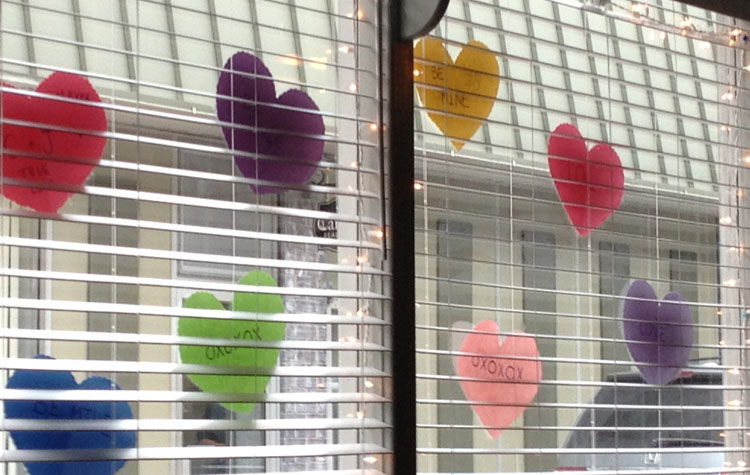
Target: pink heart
589	182
503	377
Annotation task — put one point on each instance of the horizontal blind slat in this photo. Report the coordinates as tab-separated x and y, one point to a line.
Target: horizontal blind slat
69	305
185	256
143	424
177	368
193	452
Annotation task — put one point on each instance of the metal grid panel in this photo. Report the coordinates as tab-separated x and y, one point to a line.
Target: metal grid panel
640	73
494	243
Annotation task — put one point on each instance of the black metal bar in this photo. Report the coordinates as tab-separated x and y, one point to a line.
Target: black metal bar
401	203
735	8
382	78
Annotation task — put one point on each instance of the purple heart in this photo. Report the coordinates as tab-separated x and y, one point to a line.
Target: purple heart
658	334
283	140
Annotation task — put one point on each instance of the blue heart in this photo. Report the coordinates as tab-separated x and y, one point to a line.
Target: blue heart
67	410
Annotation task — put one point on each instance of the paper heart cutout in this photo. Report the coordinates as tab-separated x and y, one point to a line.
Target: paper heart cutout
590	183
505	377
234	329
460	95
278	127
62	410
83	150
659	334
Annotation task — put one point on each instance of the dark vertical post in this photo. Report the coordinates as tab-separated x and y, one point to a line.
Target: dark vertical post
401	203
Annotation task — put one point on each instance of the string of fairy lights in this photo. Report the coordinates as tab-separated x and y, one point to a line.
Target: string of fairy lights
730	36
640	12
738	39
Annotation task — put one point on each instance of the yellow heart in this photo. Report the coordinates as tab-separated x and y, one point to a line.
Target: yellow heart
458	96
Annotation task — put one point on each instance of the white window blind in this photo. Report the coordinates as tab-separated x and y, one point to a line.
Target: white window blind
164	262
664	84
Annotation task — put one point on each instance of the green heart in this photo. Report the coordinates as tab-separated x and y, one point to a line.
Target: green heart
233	329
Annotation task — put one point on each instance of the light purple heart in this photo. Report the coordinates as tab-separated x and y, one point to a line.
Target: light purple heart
285	138
659	334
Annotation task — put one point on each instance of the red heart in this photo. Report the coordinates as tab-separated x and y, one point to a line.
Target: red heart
505	378
62	157
589	182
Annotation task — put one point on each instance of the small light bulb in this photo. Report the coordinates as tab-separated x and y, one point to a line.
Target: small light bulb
418	186
687	23
726	220
374	127
369	384
734	371
370	459
353	87
639	8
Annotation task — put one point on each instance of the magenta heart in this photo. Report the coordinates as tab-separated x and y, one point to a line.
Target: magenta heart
38	148
659	334
590	183
282	135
